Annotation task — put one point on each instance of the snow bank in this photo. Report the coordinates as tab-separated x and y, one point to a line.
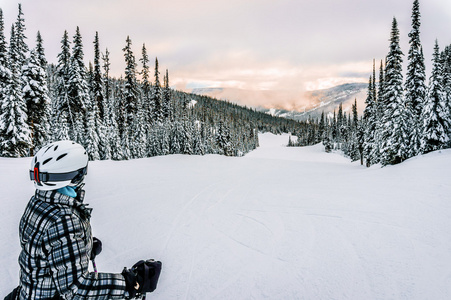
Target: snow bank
279	223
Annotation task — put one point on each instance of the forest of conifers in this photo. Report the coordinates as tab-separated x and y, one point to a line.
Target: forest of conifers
134	116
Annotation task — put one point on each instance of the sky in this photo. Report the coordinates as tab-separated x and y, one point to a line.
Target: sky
283	47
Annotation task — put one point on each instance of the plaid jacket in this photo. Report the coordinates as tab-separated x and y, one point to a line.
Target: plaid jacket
56	240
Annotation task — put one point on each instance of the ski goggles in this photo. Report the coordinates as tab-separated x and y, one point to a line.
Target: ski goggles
74	176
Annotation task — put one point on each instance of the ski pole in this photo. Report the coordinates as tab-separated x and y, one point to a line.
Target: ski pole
95	268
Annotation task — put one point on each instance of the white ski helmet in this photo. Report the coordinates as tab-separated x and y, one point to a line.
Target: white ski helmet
59	164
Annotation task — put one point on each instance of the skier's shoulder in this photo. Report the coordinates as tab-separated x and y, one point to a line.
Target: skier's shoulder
50	205
41	215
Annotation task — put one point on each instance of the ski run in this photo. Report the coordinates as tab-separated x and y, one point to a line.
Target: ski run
278	223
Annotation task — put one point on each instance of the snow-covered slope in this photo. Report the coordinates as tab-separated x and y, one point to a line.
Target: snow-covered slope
279	223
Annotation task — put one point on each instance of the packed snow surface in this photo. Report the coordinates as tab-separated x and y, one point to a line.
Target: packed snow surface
279	223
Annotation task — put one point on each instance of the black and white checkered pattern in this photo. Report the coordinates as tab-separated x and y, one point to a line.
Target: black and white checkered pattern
56	240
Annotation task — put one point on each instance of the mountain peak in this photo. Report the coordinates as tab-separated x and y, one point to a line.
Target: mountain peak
326	100
314	102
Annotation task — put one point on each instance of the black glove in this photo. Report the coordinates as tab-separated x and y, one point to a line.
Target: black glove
142	277
96	247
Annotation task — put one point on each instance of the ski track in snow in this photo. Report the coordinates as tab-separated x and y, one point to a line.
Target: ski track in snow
279	223
177	219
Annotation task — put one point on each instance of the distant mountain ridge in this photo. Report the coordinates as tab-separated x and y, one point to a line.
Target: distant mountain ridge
327	101
315	102
207	91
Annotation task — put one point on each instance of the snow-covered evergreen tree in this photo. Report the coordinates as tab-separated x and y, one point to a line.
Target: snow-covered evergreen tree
206	138
130	86
125	145
122	120
435	114
164	138
138	134
322	126
374	82
13	126
446	60
354	150
156	98
370	121
97	95
112	132
198	145
146	101
90	76
97	83
14	130
145	73
60	104
92	138
381	104
78	92
12	51
187	145
176	138
21	47
153	142
61	128
340	126
415	81
166	99
380	101
223	140
5	74
64	58
40	51
35	95
3	43
396	118
132	104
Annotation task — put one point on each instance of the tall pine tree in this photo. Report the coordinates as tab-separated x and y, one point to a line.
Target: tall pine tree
166	103
381	104
78	92
99	102
35	95
156	99
14	130
446	60
435	113
396	118
112	133
370	121
5	74
355	134
97	84
3	43
60	106
21	47
40	51
146	101
132	103
415	81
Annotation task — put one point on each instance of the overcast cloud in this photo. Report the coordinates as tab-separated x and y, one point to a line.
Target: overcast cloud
287	46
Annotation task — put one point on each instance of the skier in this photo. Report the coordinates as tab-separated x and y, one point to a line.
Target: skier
56	240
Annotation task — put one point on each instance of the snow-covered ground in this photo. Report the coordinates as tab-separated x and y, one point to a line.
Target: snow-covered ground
279	223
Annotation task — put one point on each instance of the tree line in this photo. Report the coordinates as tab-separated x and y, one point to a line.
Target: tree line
401	119
133	116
